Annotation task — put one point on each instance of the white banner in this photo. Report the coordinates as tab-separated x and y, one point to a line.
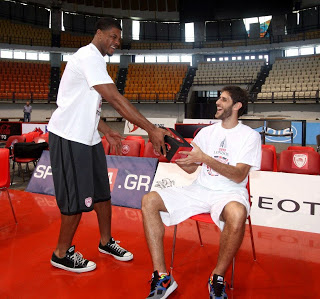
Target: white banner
132	129
170	174
285	200
30	127
200	121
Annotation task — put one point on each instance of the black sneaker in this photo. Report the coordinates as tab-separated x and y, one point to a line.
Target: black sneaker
217	287
73	261
116	251
161	286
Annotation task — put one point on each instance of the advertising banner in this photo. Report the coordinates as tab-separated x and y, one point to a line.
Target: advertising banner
30	127
285	200
132	129
129	177
8	129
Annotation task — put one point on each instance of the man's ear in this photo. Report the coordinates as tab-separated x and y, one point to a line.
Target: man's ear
237	106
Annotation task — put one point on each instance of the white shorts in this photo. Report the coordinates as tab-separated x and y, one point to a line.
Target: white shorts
184	202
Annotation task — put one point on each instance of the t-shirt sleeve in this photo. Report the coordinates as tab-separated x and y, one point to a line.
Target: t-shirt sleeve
250	153
95	71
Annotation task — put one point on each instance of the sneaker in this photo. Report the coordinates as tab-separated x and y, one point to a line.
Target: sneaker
217	287
116	251
73	261
161	286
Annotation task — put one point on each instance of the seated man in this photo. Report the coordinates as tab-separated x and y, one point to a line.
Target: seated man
227	151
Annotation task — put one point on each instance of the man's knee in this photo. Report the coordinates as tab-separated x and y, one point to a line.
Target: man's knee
151	202
235	214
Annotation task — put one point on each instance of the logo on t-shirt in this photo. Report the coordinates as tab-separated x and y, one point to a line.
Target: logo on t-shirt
221	159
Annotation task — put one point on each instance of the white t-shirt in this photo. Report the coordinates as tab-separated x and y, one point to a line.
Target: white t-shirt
240	144
79	104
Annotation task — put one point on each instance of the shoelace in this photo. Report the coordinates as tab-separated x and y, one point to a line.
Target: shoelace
78	259
117	248
154	282
217	288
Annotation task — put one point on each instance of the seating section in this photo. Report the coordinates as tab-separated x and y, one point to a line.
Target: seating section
231	72
24	80
23	34
160	45
73	40
154	82
297	78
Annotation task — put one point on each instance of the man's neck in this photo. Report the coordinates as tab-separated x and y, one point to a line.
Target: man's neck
229	123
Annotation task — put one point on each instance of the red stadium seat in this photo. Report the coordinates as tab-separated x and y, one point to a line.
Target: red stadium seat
140	140
300	148
106	146
267	159
150	152
5	175
303	162
273	148
129	148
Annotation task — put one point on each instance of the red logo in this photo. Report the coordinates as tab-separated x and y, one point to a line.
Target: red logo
165	284
112	173
300	160
5	130
88	202
132	127
125	149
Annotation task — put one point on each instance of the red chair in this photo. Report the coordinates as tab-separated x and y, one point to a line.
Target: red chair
150	152
267	159
300	148
106	146
12	140
273	148
140	140
31	135
303	162
206	218
129	148
5	175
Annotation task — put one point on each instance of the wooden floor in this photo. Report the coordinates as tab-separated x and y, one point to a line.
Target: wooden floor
287	266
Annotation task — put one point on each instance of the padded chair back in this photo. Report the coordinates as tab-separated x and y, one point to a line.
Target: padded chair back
300	148
31	135
273	148
129	148
150	152
140	140
14	139
303	162
267	159
106	146
4	168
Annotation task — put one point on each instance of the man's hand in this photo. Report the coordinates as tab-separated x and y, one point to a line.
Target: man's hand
156	136
114	138
195	156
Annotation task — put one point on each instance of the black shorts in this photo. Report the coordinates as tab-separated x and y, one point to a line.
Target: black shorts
80	175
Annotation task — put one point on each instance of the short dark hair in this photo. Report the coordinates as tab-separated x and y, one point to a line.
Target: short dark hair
107	23
237	94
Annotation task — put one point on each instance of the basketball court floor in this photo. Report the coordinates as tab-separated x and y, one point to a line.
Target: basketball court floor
287	266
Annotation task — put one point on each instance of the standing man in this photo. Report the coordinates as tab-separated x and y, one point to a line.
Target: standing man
27	110
78	161
227	151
